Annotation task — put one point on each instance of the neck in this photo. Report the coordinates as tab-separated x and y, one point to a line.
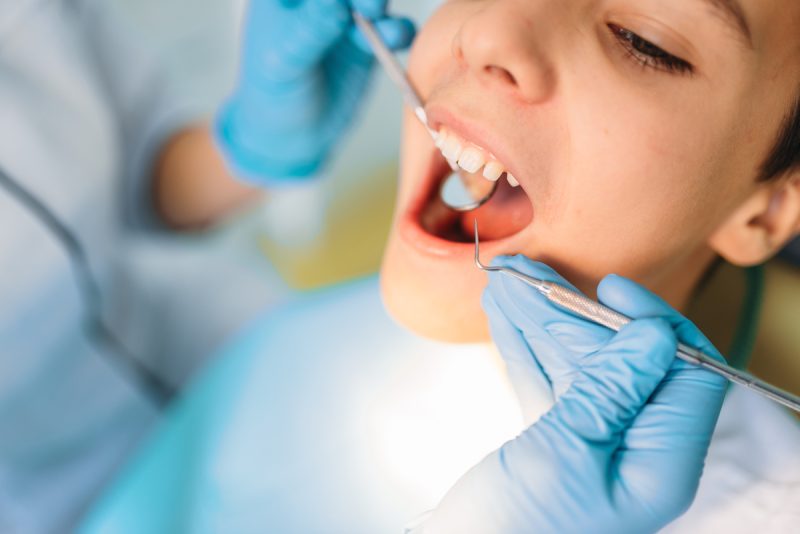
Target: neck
679	282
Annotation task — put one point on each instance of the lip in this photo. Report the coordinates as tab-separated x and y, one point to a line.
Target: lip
409	226
439	116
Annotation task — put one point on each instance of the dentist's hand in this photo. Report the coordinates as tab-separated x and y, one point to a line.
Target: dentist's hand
623	448
304	69
543	344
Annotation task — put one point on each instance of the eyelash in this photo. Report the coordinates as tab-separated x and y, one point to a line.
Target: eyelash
649	55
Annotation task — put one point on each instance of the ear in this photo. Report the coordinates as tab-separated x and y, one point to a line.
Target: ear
762	225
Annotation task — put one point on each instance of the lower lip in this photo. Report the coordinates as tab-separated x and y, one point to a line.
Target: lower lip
412	232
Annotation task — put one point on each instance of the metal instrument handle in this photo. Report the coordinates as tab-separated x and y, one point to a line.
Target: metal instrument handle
602	315
585	307
392	68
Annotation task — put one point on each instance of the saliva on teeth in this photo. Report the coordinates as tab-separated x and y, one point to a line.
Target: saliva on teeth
471	158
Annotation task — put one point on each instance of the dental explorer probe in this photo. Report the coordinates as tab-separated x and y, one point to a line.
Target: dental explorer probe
591	310
454	192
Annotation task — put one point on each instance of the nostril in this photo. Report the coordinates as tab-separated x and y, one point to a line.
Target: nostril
501	74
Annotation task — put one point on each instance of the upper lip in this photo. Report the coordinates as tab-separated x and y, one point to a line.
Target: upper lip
439	116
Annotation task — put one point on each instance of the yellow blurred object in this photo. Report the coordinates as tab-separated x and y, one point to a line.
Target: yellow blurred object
778	343
352	241
717	308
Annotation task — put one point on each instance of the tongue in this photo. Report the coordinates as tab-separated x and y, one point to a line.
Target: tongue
508	212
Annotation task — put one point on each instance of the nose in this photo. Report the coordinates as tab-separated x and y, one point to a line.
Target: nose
503	46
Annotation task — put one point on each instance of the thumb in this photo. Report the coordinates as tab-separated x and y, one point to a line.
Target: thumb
530	382
613	386
561	457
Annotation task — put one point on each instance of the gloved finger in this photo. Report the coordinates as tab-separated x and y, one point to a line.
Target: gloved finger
397	33
633	300
558	364
288	41
371	9
686	404
679	420
558	339
570	446
530	382
529	310
668	441
615	384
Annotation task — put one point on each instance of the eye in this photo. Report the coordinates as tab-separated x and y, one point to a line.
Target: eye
649	55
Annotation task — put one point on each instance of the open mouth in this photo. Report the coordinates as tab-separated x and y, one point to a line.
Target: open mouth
508	212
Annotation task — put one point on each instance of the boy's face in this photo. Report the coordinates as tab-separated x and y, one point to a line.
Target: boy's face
635	127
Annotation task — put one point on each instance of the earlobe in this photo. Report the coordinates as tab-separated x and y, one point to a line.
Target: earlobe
762	225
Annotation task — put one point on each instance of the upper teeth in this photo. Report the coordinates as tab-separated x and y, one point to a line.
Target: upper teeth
471	157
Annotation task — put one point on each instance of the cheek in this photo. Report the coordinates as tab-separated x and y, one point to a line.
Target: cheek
633	191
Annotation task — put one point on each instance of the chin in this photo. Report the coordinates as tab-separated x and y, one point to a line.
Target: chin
429	281
423	301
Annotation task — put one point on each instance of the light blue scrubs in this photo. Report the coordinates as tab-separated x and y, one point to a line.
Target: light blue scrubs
324	417
84	109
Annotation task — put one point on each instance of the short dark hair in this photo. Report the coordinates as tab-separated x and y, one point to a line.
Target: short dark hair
785	155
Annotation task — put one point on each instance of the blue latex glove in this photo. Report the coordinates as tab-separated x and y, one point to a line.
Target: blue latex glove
304	70
544	344
623	448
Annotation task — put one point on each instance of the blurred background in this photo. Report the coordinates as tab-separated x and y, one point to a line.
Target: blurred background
331	231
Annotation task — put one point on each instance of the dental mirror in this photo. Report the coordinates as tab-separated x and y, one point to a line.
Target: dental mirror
461	191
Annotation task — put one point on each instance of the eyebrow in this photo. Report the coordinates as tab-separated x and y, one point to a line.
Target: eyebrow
731	12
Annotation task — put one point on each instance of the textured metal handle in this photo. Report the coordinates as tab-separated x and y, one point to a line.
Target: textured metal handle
587	308
774	393
392	67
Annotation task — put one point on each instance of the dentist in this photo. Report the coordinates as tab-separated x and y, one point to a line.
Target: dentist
96	144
